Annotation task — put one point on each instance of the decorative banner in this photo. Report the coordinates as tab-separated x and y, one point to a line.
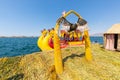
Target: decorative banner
81	22
82	28
66	27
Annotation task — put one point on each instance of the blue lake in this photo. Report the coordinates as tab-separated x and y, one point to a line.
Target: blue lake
21	46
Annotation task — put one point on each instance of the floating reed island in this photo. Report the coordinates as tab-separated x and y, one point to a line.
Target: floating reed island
40	65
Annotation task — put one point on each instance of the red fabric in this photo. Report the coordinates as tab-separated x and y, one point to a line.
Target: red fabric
63	45
51	43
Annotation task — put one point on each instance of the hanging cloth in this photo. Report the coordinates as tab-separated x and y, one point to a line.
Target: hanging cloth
69	26
82	25
66	25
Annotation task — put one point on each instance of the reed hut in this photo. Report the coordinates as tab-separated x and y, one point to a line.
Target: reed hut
112	38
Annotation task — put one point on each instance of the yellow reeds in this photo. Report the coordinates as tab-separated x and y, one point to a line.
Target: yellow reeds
57	53
88	54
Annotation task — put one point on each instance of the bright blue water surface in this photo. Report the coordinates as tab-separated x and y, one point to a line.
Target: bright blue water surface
98	39
17	46
21	46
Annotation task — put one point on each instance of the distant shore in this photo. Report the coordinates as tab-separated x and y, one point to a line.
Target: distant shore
17	36
91	35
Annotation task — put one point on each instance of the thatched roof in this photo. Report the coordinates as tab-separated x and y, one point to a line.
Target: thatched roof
115	29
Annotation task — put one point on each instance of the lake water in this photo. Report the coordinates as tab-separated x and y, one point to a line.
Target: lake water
21	46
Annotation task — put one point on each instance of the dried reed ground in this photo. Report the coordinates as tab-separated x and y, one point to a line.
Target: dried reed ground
40	65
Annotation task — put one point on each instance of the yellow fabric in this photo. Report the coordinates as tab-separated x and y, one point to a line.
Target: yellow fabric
75	35
51	33
74	43
39	42
44	32
62	34
43	41
79	35
71	34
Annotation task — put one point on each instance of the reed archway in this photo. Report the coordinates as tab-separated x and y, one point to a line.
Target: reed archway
57	51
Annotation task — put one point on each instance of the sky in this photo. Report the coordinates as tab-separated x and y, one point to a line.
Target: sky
29	17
